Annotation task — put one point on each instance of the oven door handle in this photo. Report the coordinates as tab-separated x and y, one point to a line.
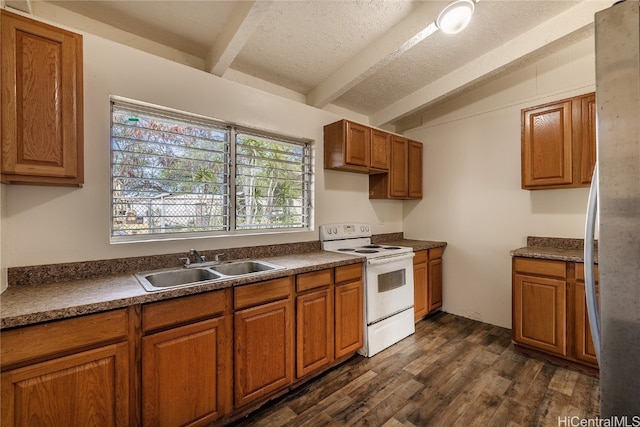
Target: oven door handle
388	259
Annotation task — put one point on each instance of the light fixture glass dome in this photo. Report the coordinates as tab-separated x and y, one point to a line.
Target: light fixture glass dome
456	16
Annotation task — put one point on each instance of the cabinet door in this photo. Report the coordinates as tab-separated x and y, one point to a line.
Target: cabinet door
547	145
348	318
435	279
399	163
420	293
540	314
85	389
415	170
314	337
263	350
583	342
358	145
380	149
588	145
186	374
42	127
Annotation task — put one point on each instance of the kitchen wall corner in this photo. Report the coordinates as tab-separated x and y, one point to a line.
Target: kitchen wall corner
472	190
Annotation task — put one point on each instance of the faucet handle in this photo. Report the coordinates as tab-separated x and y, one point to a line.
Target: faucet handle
186	260
217	259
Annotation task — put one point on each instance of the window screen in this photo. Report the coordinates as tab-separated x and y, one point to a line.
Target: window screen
175	174
272	182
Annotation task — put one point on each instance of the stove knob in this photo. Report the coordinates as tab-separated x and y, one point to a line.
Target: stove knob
335	230
367	228
362	228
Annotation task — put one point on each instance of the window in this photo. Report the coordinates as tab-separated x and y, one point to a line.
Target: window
176	175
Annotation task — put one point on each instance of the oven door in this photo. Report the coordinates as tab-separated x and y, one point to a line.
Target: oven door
389	286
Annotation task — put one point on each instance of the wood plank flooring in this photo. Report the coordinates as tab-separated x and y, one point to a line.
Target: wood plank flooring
452	372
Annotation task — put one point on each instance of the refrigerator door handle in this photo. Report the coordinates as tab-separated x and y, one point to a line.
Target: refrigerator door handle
589	279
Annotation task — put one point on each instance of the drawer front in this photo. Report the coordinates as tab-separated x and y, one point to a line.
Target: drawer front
313	280
47	340
177	311
262	292
420	257
540	267
349	273
580	271
435	253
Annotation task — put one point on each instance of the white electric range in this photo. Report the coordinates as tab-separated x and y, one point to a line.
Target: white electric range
388	283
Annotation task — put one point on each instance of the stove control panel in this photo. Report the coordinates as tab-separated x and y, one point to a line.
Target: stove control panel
344	231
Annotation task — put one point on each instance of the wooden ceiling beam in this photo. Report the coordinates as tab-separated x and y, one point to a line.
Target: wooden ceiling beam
241	23
487	65
402	37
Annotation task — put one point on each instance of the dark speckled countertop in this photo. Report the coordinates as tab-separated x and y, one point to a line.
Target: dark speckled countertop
554	248
41	293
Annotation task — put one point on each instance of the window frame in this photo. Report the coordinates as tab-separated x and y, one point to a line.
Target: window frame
308	192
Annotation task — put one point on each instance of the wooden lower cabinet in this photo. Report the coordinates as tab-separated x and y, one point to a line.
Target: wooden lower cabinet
420	287
349	310
73	372
189	361
263	339
583	344
314	321
427	281
540	312
435	279
549	311
186	369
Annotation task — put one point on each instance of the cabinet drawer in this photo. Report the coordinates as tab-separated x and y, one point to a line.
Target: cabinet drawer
349	273
435	253
48	340
540	267
315	279
182	310
421	257
262	292
580	271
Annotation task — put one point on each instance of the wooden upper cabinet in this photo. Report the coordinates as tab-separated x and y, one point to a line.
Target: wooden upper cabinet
414	178
546	145
380	146
398	176
404	180
42	106
353	147
588	154
558	144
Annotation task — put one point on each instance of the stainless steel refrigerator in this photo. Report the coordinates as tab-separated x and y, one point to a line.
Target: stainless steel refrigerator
617	181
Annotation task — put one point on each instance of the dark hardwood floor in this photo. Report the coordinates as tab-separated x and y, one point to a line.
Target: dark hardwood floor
452	372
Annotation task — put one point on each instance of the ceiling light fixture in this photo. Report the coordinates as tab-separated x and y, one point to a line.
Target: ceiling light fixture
456	16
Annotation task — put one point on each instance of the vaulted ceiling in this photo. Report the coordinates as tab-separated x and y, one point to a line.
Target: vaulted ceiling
370	57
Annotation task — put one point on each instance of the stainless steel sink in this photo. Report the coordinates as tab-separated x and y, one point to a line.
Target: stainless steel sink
182	277
240	268
157	280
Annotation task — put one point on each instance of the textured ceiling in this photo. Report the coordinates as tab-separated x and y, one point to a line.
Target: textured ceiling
365	56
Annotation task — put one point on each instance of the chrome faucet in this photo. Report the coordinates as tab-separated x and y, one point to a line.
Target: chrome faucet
199	258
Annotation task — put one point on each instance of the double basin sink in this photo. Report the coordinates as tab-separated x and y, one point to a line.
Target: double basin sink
182	277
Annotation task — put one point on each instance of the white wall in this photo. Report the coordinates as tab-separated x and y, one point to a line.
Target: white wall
472	195
43	225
